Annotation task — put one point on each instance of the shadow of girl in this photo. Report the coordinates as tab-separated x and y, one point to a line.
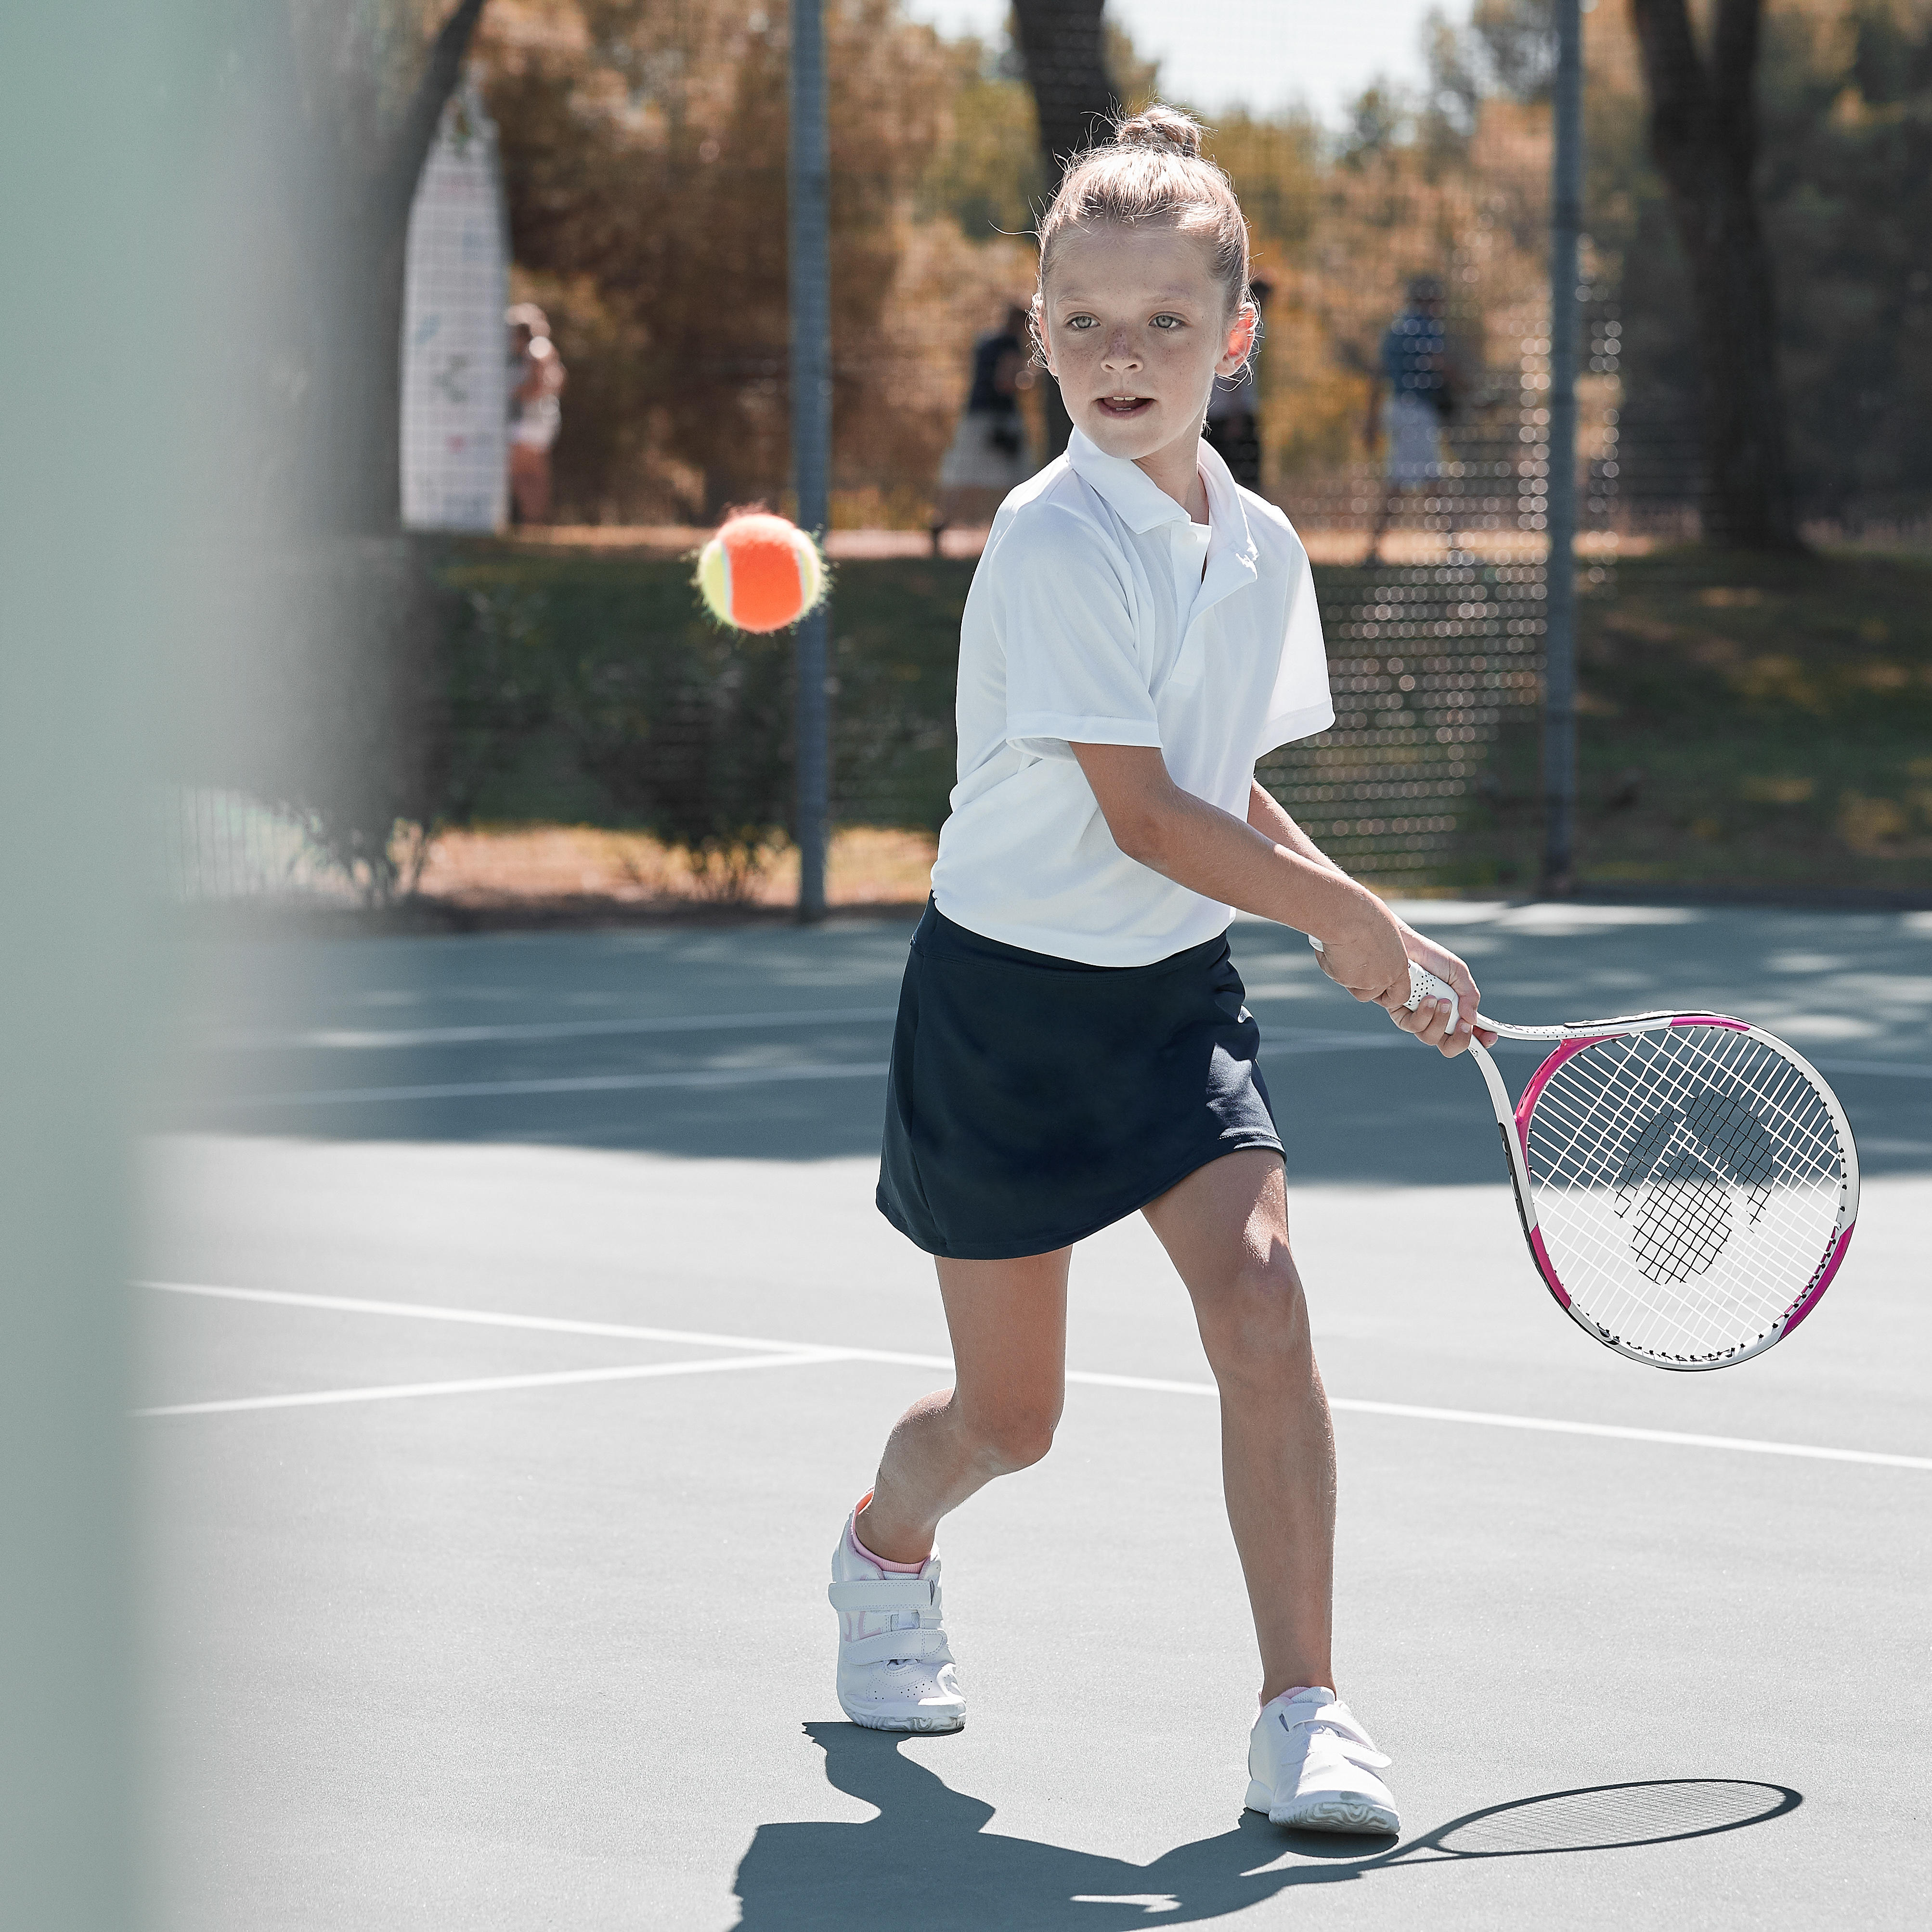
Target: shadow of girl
927	1862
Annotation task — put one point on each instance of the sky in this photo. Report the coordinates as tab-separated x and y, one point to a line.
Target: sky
1261	53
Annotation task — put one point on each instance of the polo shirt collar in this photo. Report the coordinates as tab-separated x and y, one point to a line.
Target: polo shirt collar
1133	496
1142	504
1225	509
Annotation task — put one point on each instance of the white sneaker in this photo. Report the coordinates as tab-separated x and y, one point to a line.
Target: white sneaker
895	1671
1309	1764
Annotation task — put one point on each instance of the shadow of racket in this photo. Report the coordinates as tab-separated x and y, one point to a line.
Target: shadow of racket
1593	1818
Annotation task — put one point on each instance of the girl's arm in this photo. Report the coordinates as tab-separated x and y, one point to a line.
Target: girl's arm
1267	818
1269	865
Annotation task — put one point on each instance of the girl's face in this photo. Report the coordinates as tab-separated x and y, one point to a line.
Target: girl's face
1137	329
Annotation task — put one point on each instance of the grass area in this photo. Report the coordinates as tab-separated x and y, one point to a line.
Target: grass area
592	689
1744	720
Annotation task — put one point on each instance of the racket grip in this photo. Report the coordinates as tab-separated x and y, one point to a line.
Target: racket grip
1423	984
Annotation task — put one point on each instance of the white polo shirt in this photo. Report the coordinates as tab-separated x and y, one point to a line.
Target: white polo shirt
1090	621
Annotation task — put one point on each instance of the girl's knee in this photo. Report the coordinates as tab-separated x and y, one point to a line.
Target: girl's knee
1013	1436
1257	1323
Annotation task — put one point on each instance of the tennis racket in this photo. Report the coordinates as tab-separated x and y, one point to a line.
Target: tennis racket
1687	1183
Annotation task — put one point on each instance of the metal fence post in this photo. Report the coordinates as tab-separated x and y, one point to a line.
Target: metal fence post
1559	712
809	186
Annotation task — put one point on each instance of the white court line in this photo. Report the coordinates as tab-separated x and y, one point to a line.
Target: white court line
1672	1436
464	1036
589	1083
805	1352
1312	1040
1299	1040
730	1076
1284	1045
625	1332
485	1385
488	1318
1895	1069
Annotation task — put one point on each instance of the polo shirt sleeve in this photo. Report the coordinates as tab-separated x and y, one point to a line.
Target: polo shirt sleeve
1300	705
1073	670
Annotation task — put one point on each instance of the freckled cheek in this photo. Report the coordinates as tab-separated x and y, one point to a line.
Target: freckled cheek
1074	352
1176	359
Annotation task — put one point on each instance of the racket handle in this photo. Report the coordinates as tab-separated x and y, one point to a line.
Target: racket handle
1423	984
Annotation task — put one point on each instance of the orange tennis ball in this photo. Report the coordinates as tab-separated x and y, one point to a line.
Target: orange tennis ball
760	572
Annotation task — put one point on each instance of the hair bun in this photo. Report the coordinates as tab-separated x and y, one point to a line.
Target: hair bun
1157	126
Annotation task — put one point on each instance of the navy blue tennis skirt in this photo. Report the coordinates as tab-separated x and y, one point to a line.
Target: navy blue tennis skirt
1034	1101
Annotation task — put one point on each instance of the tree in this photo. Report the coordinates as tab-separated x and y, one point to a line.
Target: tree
644	149
1064	47
1703	136
1846	192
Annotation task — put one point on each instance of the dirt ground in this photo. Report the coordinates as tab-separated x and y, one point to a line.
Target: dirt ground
486	868
1399	545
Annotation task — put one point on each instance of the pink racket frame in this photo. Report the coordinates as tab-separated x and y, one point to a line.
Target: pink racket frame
1514	1123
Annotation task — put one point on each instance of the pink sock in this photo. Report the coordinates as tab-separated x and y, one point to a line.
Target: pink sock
872	1556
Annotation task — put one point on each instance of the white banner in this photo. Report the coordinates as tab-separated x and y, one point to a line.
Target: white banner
455	382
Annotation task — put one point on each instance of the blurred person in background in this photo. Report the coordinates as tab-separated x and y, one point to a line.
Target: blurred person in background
988	455
1419	398
1234	424
537	378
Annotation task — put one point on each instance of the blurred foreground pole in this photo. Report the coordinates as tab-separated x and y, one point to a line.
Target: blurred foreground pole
809	185
97	99
1559	702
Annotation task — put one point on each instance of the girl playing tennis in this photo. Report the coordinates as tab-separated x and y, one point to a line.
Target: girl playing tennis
1072	1044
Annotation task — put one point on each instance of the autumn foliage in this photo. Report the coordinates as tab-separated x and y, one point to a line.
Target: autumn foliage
644	144
644	153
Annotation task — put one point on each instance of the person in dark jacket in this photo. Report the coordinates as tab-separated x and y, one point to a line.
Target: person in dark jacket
1234	426
1412	396
989	453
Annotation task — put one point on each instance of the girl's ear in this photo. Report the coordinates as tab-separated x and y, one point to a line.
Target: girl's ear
1241	333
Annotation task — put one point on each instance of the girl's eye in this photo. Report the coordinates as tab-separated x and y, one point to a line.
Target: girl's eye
1168	322
1082	321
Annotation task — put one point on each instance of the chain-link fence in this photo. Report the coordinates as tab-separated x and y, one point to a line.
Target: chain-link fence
220	847
580	684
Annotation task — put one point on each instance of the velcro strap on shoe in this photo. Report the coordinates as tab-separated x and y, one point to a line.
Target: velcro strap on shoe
888	1593
914	1645
1357	1746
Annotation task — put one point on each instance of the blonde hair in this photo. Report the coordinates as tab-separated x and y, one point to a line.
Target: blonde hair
1151	171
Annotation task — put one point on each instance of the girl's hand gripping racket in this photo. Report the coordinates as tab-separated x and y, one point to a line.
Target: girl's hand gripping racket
1687	1184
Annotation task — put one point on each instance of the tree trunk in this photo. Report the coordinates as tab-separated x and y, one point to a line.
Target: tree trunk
1061	43
1703	138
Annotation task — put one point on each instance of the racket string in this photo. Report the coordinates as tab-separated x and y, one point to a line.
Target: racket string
1683	1223
1687	1183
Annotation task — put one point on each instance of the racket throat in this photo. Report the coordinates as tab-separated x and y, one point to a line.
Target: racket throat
1532	1237
1516	1159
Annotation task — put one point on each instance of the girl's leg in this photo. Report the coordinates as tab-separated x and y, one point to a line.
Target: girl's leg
1225	1229
1008	1321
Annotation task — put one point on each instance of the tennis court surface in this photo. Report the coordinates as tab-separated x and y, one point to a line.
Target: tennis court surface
520	1329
